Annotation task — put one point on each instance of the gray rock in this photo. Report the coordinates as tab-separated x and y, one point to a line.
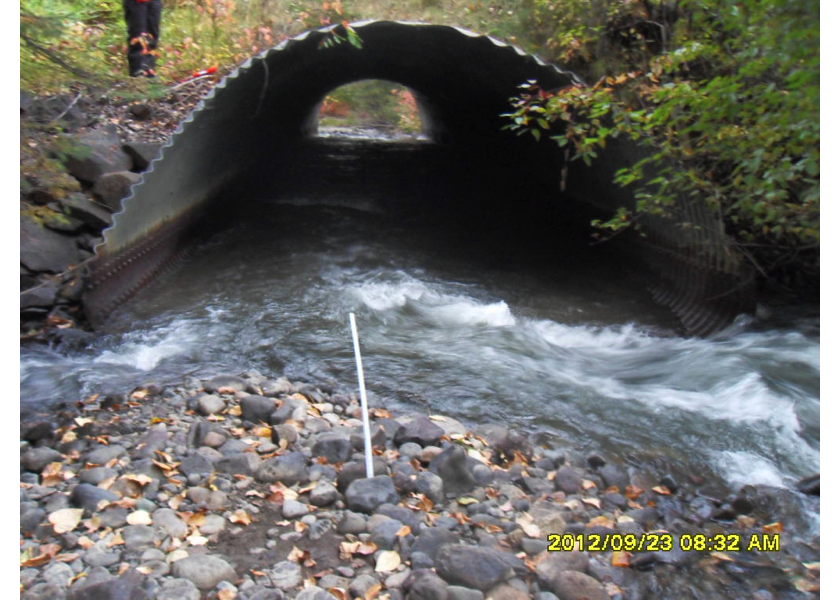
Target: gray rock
573	585
452	467
323	494
334	448
352	523
42	296
104	454
168	520
44	591
86	210
426	585
35	459
504	591
364	495
314	593
42	250
244	463
475	567
30	519
288	468
456	592
555	563
95	153
178	589
284	432
89	496
292	509
384	534
567	480
210	404
96	475
204	570
421	430
111	188
257	409
431	540
225	381
196	463
277	387
414	519
362	584
99	555
430	485
613	475
212	525
142	153
139	537
355	470
58	574
285	575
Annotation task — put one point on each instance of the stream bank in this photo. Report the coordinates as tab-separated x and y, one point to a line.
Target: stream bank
253	486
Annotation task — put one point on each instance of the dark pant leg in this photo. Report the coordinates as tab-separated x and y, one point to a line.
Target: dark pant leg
141	41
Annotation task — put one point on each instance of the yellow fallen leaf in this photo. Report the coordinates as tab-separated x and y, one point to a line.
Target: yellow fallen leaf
227	594
772	528
373	591
139	517
85	542
387	561
620	559
82	421
241	517
403	531
466	501
66	519
661	490
339	593
197	540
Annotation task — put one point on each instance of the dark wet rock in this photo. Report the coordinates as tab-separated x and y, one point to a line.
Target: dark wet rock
613	475
178	589
568	480
30	519
452	467
669	482
405	477
89	496
426	585
225	381
809	485
95	153
142	153
243	463
323	494
573	585
742	505
41	296
413	519
42	250
36	459
128	586
364	495
457	592
421	430
475	566
288	468
504	441
334	448
432	539
257	409
86	210
430	485
595	461
204	570
111	188
355	470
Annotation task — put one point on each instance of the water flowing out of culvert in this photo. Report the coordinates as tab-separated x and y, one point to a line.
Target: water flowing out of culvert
495	323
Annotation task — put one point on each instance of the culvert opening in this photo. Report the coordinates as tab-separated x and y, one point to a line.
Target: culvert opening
371	108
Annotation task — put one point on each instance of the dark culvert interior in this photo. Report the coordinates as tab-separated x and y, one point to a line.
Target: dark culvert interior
255	139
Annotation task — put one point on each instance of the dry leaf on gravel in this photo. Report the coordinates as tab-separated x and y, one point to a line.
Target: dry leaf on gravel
66	519
387	561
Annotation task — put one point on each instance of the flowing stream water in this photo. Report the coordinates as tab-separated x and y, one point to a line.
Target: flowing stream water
482	324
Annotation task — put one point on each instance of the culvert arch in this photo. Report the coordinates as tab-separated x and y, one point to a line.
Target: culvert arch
462	82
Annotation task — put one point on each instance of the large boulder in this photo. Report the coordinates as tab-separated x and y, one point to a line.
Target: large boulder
421	430
476	567
111	188
43	250
90	155
288	468
364	495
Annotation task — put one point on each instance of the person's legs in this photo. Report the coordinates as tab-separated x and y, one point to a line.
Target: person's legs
140	43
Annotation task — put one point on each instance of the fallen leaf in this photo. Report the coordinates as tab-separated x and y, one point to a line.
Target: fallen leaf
437	418
197	540
139	517
592	502
632	492
46	554
227	594
526	522
226	390
387	561
85	542
82	421
588	484
144	570
240	516
403	531
601	521
372	591
721	556
298	555
141	480
466	501
620	559
772	528
339	593
66	519
806	585
661	490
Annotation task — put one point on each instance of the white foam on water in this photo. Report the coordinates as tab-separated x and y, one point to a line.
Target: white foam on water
748	468
439	307
624	338
145	351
